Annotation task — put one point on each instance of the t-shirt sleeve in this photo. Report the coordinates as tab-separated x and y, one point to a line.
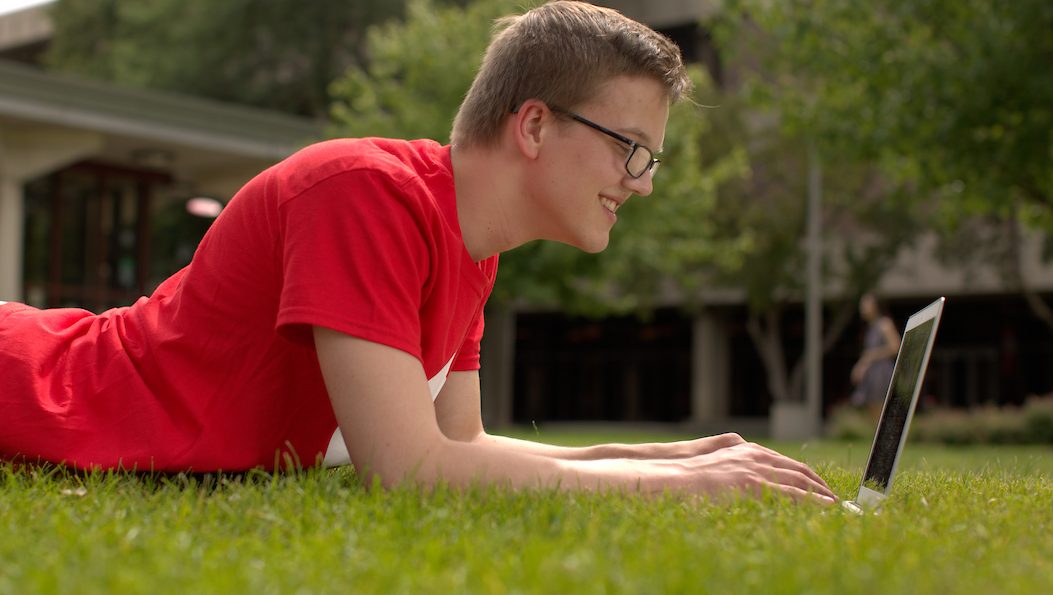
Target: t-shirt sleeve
468	358
355	260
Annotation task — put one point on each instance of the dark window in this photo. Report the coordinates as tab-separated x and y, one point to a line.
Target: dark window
615	369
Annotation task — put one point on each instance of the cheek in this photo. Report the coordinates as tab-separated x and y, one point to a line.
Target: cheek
564	173
581	152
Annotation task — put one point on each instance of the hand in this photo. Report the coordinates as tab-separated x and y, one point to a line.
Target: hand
751	469
692	448
858	371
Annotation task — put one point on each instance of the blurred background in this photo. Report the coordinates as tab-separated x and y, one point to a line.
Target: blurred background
834	148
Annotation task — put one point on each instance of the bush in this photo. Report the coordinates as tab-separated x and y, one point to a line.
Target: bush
849	423
1030	424
1038	419
947	426
992	425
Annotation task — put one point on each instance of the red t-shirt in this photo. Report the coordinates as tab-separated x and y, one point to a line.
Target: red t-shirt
217	369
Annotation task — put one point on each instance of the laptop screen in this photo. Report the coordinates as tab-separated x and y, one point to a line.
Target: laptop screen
898	405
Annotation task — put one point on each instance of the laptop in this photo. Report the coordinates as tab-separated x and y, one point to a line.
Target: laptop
902	398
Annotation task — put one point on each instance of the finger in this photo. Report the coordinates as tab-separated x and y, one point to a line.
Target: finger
799	495
796	479
799	470
786	462
795	493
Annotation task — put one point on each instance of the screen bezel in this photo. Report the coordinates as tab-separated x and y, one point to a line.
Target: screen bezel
871	497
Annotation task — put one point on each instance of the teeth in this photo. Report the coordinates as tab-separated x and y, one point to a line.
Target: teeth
609	204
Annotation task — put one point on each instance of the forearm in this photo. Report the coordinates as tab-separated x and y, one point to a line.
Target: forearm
584	453
513	463
876	354
744	467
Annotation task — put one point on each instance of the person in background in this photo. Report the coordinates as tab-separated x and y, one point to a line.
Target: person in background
872	374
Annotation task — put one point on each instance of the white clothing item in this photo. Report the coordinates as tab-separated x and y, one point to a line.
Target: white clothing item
337	454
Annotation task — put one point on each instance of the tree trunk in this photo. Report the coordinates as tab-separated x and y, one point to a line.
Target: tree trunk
767	339
1015	267
766	335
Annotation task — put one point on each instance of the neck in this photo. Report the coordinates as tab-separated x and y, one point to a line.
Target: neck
491	205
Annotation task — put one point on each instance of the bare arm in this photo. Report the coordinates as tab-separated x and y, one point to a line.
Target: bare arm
382	404
458	413
888	330
888	350
381	400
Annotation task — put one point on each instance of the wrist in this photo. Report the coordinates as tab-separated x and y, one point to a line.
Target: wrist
599	475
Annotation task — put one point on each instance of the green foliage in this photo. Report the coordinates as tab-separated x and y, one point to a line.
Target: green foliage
865	223
279	55
923	114
850	423
944	106
1030	424
798	89
954	95
959	521
958	427
412	87
418	72
1038	419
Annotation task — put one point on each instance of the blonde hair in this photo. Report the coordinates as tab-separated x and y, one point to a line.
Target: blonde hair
560	53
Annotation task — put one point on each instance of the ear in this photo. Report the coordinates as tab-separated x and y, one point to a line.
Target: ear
529	126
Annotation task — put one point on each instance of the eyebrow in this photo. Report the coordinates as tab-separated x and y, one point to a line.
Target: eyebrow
641	135
647	141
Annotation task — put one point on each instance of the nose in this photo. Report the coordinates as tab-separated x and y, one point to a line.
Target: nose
641	186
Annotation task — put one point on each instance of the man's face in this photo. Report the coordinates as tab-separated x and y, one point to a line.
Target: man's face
583	180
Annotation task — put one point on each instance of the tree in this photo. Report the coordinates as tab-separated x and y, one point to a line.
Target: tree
412	87
951	101
265	53
867	218
951	97
866	222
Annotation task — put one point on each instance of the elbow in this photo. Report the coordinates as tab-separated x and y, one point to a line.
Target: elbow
467	432
404	467
469	436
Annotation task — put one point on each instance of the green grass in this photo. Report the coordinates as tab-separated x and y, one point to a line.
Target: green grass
961	521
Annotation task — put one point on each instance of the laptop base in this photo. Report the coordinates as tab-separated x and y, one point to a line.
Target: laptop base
852	507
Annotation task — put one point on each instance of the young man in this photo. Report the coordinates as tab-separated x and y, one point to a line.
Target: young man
333	312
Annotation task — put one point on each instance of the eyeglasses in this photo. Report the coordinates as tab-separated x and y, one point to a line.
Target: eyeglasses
640	160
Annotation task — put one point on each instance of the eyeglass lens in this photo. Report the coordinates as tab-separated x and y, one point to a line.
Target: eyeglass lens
639	162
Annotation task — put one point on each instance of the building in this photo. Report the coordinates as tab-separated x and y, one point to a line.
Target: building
95	179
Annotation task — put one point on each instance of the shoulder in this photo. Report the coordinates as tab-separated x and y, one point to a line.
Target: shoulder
399	162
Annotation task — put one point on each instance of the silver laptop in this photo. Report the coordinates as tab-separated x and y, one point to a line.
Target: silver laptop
902	398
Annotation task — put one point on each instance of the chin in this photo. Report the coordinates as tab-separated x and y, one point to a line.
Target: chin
596	249
591	245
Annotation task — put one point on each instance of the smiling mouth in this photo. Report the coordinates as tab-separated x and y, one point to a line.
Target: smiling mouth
609	204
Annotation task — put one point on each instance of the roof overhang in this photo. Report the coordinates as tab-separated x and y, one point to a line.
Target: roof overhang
30	94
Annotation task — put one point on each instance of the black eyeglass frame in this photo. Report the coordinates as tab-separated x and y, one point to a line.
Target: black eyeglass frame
652	161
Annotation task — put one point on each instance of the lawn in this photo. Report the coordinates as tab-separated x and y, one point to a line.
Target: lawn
961	521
